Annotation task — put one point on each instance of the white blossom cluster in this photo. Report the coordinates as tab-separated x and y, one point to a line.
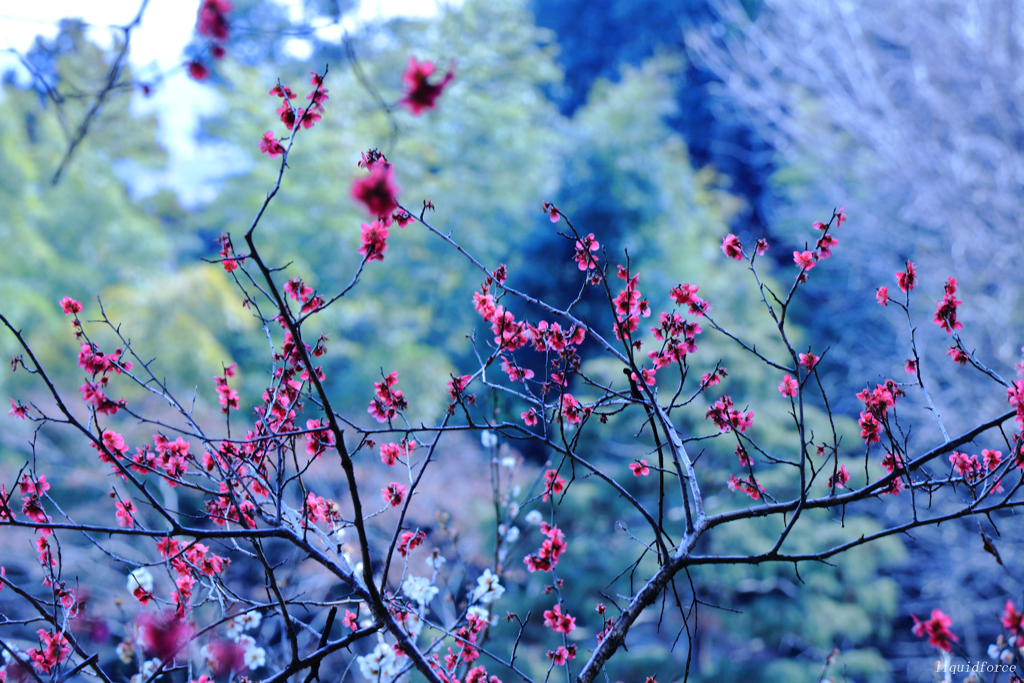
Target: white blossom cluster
419	589
149	668
243	622
488	589
380	666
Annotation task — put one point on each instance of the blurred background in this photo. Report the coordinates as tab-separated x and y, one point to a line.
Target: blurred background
658	126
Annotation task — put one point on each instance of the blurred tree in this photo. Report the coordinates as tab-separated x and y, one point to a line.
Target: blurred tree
914	118
88	234
910	115
718	132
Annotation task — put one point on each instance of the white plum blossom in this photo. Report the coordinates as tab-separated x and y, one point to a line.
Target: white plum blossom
151	667
148	669
418	588
250	620
534	517
509	462
255	657
488	438
435	561
487	588
512	535
140	577
381	665
234	628
125	652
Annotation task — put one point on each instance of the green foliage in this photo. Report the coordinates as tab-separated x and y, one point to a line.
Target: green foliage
86	233
802	615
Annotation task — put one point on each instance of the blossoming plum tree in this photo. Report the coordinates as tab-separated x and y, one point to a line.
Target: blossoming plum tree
189	615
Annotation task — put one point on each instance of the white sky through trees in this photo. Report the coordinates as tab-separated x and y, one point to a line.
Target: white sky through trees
157	48
166	27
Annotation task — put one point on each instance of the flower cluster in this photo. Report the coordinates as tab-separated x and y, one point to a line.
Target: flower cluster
420	94
562	654
807	259
393	494
945	312
54	649
907	278
466	639
876	406
212	23
937	630
726	417
551	549
380	665
840	479
292	114
319	438
629	307
893	462
95	362
378	191
971	468
140	584
733	248
553	484
677	337
509	335
686	295
488	588
457	388
1012	620
572	410
748	486
584	256
788	386
419	589
559	621
554	215
374	241
304	294
387	402
190	563
410	541
1015	397
391	452
228	396
227	253
125	513
958	354
318	509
